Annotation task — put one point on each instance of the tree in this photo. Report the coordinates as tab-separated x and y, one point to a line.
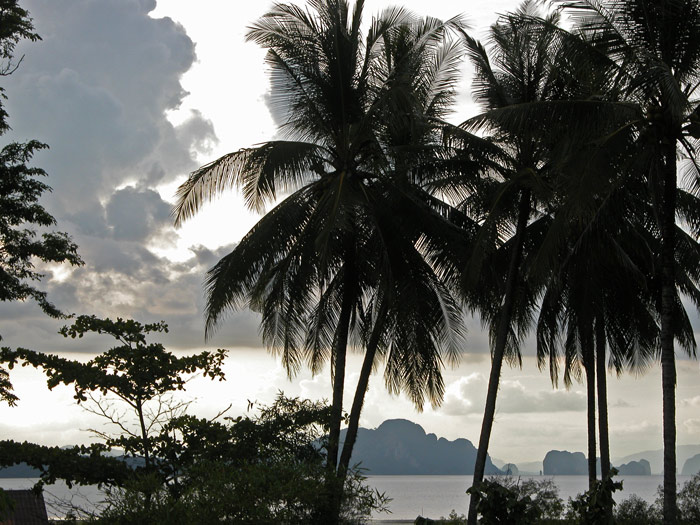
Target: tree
264	469
655	47
511	201
137	373
414	318
15	25
326	261
19	211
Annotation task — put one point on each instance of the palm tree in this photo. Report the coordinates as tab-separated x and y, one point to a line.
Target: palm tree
655	46
511	202
596	294
414	314
350	255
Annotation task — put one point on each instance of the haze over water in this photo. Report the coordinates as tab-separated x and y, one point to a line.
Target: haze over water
436	496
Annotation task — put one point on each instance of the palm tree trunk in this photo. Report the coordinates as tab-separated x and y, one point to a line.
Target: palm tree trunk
341	342
338	384
504	322
601	372
668	363
589	367
360	391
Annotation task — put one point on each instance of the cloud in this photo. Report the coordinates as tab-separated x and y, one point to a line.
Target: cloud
97	89
692	426
135	215
467	396
639	428
690	402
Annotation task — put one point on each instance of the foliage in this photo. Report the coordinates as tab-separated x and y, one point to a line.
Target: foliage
136	373
635	511
689	500
266	469
502	503
6	505
80	464
452	519
595	506
544	495
20	191
15	25
6	389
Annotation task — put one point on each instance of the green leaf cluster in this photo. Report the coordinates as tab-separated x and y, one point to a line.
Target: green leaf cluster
595	506
499	504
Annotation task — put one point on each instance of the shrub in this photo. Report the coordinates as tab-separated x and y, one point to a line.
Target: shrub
263	470
545	497
500	502
452	519
689	501
635	511
595	506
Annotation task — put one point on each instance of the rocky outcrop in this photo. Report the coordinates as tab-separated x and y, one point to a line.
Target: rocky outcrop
510	469
691	466
635	468
399	446
565	463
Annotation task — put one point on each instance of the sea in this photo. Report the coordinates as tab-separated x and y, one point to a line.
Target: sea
435	496
411	496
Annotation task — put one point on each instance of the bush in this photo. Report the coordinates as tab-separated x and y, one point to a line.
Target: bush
689	501
263	470
595	506
501	502
544	495
635	511
452	519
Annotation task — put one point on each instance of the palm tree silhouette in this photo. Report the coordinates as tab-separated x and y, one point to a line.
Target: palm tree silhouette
655	48
351	255
511	202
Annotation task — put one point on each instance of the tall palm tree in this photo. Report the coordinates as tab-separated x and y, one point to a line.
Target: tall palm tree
597	294
512	200
655	46
414	311
350	255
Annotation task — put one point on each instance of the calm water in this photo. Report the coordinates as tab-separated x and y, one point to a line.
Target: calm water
435	496
431	496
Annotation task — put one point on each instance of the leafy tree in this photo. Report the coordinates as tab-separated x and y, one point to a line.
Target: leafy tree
135	372
15	25
6	389
20	191
499	503
266	469
635	511
595	506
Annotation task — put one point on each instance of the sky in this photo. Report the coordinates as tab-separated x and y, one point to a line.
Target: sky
131	96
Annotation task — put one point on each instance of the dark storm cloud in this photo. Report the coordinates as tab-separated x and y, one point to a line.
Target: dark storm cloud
135	214
97	89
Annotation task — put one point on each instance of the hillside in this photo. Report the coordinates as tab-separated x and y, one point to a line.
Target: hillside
401	447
